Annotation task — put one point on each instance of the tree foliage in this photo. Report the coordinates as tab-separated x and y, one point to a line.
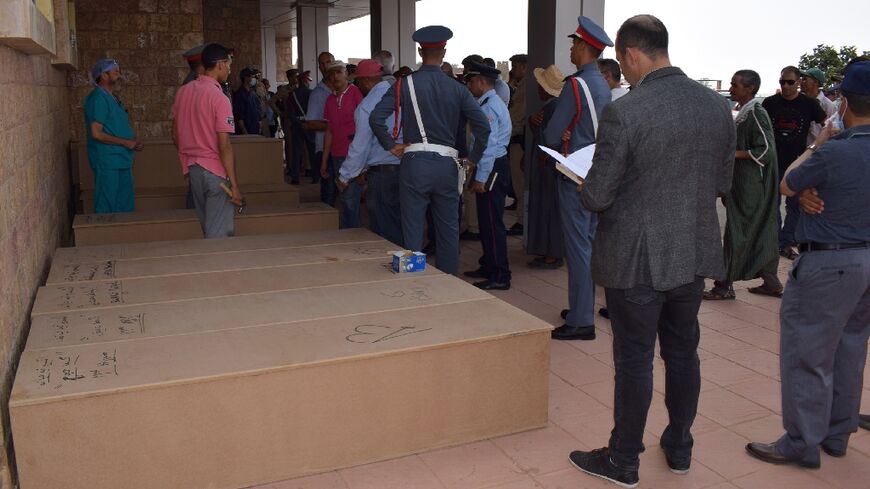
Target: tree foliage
829	59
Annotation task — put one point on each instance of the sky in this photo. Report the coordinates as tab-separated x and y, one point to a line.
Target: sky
707	39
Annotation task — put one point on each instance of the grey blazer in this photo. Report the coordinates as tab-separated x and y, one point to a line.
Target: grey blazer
664	153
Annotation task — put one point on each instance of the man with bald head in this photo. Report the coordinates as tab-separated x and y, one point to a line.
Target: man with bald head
654	183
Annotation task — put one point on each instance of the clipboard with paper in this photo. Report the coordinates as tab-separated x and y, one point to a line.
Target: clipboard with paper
574	166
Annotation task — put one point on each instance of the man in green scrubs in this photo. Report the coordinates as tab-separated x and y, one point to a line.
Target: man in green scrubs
111	141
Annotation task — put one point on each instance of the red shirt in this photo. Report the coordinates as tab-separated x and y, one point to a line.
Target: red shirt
201	111
339	114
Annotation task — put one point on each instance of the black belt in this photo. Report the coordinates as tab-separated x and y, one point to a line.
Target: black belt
804	247
383	168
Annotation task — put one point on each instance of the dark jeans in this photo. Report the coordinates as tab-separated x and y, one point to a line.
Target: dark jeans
637	316
328	190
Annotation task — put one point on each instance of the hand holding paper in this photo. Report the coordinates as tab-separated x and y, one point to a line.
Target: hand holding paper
576	165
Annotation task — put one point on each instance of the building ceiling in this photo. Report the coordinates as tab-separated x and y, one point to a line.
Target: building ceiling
281	14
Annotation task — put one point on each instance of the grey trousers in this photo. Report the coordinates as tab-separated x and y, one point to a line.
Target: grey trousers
429	180
212	204
825	323
578	228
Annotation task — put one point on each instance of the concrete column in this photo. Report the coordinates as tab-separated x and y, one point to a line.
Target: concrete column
550	23
270	54
312	29
393	23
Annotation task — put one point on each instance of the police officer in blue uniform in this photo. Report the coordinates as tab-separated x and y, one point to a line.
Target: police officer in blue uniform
193	56
491	180
571	128
430	104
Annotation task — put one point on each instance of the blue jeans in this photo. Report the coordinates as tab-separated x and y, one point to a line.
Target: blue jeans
637	316
350	197
328	190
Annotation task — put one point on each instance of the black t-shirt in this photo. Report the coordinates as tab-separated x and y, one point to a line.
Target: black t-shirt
791	124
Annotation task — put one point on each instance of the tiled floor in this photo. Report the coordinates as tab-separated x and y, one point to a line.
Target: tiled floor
739	403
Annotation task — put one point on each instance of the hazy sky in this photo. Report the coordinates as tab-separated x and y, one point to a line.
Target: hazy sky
707	39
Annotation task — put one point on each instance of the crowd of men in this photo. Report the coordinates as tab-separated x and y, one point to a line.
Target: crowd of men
643	223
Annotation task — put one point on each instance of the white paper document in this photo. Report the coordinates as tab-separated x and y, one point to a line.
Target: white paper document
577	163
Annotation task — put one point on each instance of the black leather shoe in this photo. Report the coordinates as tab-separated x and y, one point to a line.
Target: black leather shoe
604	313
565	332
490	285
515	230
767	452
479	273
543	264
564	313
834	452
469	236
864	421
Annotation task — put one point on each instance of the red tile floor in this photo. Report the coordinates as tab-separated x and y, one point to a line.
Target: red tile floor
739	403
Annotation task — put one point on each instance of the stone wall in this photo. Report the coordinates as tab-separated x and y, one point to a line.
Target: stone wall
286	60
235	24
34	197
147	38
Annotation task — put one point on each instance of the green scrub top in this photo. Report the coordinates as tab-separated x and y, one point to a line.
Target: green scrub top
103	107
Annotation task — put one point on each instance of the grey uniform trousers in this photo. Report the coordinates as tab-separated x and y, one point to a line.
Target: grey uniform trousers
429	180
212	204
825	323
578	229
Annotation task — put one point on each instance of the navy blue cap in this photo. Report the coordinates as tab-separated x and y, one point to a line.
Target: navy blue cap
592	33
432	36
857	78
477	69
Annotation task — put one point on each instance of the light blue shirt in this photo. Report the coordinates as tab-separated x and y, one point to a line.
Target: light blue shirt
316	107
365	150
503	91
496	112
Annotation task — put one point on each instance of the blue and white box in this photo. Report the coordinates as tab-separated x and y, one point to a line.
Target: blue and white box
405	261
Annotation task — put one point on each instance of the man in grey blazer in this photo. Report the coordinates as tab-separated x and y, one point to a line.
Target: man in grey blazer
664	154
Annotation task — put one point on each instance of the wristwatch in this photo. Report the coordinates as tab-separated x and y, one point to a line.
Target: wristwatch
813	147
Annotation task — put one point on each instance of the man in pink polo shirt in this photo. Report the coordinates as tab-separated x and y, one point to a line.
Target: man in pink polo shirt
338	113
202	121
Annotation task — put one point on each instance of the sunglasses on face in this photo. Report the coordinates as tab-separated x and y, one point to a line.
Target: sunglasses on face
787	82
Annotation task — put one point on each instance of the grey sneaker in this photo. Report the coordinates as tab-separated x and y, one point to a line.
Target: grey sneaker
598	463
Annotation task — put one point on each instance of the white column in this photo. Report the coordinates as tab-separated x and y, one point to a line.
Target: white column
393	23
550	23
270	54
312	29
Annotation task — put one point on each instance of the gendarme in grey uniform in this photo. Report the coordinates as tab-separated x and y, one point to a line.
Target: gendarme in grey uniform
429	173
578	222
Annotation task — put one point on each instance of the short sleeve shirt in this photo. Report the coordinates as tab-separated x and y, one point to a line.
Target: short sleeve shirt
103	107
316	109
791	124
201	111
840	171
338	113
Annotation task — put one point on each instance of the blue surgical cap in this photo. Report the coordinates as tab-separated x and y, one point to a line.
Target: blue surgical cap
101	67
